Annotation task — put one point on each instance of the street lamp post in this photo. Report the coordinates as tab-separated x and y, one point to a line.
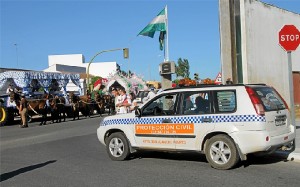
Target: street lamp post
125	55
17	54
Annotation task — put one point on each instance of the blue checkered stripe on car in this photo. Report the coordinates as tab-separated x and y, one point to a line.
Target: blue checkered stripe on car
186	119
239	118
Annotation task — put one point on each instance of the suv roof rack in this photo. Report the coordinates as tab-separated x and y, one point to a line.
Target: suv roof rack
211	85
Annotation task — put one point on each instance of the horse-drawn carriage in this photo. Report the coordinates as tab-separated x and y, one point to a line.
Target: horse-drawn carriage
58	104
23	80
7	113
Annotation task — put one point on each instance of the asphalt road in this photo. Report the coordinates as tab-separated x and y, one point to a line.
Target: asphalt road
69	154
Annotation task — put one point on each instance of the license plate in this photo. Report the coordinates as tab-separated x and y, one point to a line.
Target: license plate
280	120
279	123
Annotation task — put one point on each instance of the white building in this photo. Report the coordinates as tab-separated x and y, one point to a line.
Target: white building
102	69
75	63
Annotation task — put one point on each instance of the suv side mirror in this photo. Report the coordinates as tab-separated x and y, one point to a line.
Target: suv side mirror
138	112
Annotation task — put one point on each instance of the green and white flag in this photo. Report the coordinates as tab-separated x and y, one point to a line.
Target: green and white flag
157	24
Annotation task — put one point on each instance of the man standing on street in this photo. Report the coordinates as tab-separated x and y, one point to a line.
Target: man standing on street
23	111
115	94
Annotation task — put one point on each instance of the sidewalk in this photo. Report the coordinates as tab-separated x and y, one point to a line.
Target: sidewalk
295	155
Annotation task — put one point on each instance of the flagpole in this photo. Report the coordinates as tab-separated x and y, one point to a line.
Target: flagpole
167	36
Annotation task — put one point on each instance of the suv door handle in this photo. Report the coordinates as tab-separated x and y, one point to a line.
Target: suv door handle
206	120
167	121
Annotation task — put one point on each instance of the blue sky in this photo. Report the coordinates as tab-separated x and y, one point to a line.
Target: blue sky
42	28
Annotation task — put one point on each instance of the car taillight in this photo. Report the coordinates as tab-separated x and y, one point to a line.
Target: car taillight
255	101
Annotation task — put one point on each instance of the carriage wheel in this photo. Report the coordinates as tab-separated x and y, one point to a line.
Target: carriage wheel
3	116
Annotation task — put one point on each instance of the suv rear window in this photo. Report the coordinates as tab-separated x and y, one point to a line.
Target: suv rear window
270	99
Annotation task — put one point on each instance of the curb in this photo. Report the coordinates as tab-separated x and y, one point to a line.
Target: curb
294	157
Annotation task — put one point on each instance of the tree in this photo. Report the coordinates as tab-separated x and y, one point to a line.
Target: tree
183	68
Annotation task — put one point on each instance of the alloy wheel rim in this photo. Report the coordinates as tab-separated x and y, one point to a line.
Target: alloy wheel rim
220	152
116	147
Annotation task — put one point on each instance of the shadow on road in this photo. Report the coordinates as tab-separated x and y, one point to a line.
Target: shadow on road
181	156
264	160
11	174
198	157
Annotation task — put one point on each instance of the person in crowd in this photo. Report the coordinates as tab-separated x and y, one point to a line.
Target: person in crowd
133	105
229	81
23	111
65	95
10	103
150	95
88	93
123	102
9	89
115	95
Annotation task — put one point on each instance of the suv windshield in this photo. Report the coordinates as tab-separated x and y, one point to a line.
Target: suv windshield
270	99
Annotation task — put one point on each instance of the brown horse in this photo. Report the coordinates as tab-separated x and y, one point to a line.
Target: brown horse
74	101
35	106
58	109
86	106
40	107
100	103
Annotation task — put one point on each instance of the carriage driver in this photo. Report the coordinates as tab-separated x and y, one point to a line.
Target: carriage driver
9	89
10	103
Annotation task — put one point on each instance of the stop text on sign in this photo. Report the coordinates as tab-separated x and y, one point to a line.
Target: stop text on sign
289	37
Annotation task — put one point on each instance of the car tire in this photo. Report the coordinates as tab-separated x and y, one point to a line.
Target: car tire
117	146
221	152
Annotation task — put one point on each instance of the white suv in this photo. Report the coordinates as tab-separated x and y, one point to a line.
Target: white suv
225	122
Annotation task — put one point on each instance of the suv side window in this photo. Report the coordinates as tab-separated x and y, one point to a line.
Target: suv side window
194	103
226	101
164	105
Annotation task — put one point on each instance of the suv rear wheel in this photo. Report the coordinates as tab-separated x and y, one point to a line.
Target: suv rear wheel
117	146
221	152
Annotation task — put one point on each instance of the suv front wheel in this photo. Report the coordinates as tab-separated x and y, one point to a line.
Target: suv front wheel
221	152
117	146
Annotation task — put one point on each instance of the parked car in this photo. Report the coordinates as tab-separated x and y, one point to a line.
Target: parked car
225	122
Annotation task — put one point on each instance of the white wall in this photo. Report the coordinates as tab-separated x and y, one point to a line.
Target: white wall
102	69
71	60
263	60
66	69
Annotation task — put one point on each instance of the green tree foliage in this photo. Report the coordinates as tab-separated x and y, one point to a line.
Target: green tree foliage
183	68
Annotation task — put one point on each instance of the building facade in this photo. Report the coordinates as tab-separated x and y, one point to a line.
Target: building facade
250	50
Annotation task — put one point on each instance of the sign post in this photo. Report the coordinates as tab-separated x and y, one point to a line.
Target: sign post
289	40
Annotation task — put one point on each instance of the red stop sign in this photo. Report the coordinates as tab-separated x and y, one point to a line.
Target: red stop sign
289	37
